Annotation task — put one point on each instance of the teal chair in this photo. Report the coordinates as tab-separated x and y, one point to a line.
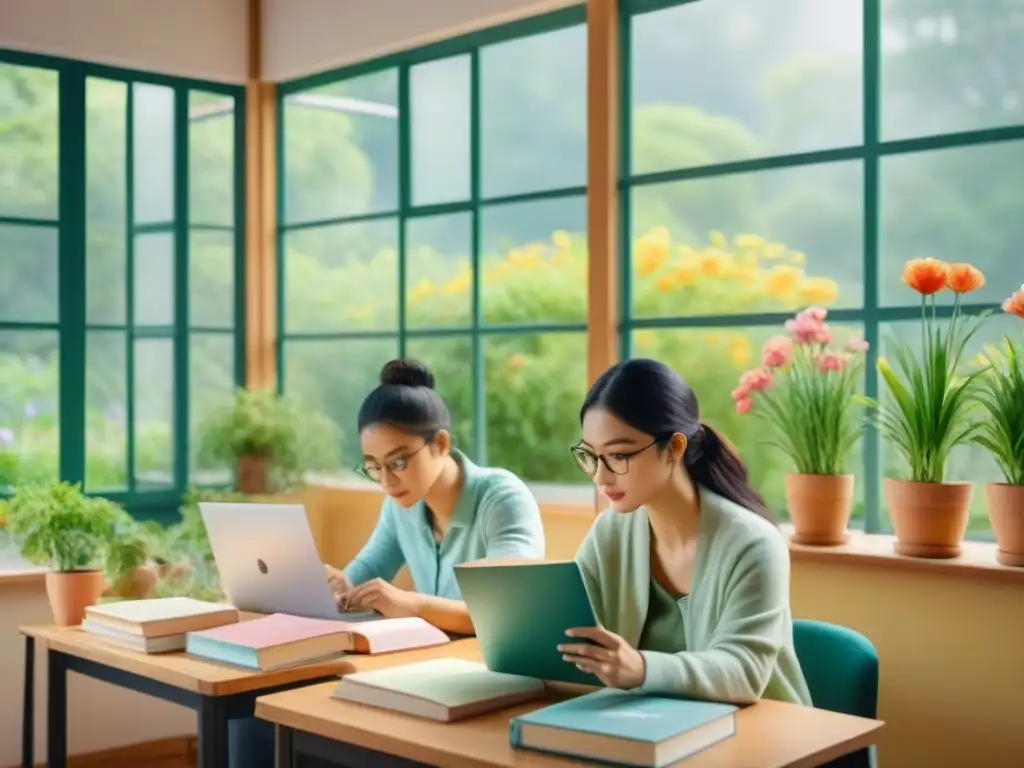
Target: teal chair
841	669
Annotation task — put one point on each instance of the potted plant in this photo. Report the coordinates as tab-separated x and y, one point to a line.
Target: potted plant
267	440
60	527
805	391
1001	394
928	414
129	565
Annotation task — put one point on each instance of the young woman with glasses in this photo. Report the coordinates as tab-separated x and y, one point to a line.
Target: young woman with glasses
441	510
689	576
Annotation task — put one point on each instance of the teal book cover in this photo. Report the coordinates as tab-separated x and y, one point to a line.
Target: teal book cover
520	614
624	715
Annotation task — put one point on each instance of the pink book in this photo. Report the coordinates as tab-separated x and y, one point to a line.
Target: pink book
281	640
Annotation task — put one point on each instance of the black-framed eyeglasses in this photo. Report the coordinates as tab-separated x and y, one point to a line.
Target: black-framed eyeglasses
375	471
617	463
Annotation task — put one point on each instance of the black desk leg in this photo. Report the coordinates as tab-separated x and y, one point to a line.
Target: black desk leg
213	732
56	710
28	706
284	756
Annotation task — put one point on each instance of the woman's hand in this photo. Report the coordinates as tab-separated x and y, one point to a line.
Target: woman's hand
612	660
381	596
339	582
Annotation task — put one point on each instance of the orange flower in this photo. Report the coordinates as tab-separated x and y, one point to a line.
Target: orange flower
964	278
926	276
1015	304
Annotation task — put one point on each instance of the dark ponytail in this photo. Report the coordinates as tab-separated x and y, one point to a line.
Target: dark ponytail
406	399
653	398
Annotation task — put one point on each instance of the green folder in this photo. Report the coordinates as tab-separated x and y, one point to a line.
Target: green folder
521	612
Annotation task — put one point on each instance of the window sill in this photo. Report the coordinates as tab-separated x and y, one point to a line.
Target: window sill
19	577
977	561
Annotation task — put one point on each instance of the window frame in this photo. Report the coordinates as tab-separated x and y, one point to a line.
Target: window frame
872	314
72	325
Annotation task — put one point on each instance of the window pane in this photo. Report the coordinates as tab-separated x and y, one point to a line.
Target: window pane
534	260
950	65
28	274
533	113
333	377
715	82
106	408
956	204
450	359
106	126
211	277
153	153
153	274
769	241
439	271
967	462
153	398
211	157
29	407
341	149
439	91
534	387
340	277
211	378
711	361
29	147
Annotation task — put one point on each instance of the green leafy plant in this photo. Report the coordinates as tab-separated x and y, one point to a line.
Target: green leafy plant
1001	395
260	423
931	399
805	391
58	526
132	546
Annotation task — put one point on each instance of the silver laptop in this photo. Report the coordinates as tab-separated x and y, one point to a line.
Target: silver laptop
268	561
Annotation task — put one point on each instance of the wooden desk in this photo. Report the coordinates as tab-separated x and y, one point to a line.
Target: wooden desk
218	693
769	734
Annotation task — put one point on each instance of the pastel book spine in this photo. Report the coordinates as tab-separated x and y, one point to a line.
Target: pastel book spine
241	644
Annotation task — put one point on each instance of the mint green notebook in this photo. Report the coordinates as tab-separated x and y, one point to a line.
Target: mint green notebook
520	614
624	728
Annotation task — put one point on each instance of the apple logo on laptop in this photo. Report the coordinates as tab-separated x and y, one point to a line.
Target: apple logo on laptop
261	565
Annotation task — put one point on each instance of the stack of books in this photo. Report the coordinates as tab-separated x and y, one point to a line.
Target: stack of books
157	625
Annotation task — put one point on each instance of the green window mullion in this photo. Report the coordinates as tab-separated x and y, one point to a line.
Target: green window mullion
279	257
129	281
180	428
872	88
479	440
71	271
241	330
625	193
404	193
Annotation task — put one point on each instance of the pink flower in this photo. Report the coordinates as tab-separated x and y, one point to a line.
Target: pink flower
744	405
857	345
830	361
808	327
756	380
818	313
777	352
740	393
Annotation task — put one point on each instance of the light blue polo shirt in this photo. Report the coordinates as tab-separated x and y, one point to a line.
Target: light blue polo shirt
495	516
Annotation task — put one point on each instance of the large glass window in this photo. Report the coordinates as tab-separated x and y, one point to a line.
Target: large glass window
434	206
120	253
815	149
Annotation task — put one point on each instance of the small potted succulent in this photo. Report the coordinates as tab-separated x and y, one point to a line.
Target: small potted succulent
805	390
58	526
267	441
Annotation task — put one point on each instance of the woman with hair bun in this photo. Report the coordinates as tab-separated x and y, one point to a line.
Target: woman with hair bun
441	510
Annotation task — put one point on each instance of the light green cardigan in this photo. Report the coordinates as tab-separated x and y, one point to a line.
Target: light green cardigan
739	630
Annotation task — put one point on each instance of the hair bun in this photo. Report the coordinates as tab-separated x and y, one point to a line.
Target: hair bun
404	372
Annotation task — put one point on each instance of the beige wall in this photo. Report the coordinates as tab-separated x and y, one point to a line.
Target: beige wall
303	37
207	39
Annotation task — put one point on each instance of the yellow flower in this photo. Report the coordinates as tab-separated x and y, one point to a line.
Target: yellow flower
783	280
818	290
710	263
421	290
749	241
665	283
562	240
561	258
685	274
650	255
518	360
774	250
717	239
798	257
457	284
644	339
740	350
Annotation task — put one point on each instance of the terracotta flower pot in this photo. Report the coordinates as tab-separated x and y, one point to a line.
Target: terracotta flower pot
930	519
71	592
252	474
819	506
1006	512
